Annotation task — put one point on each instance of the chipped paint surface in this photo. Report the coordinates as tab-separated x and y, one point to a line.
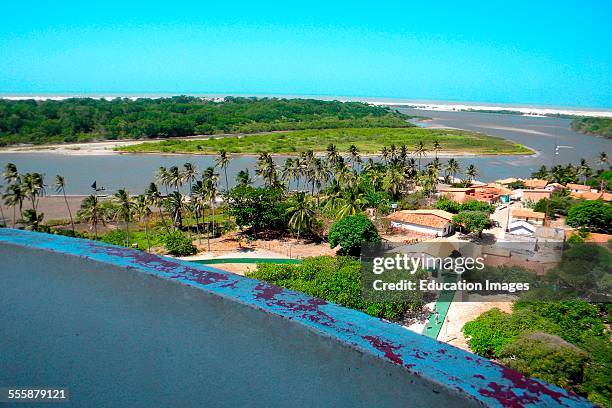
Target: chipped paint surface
447	368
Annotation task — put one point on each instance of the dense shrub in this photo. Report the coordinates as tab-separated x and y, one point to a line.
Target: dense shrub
454	207
494	329
565	342
351	232
592	215
472	221
179	244
336	280
547	357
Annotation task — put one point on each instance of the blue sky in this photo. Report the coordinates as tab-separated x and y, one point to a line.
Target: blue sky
531	52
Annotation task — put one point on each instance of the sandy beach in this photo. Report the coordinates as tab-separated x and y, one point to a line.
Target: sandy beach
53	206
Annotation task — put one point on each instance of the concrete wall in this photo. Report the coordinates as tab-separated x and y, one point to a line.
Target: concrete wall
422	229
123	328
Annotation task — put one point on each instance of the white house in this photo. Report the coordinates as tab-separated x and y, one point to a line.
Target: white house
427	222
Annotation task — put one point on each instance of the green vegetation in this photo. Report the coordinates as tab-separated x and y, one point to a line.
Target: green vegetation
454	207
472	221
82	119
565	342
593	126
351	232
336	280
582	172
592	215
558	204
260	209
370	140
179	244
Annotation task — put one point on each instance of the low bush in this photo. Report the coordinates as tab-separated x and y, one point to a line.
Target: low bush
351	232
547	357
178	244
336	280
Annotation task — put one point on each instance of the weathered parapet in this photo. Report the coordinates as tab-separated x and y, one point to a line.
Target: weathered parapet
120	327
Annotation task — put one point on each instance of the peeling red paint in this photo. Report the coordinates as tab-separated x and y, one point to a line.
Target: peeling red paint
482	377
386	347
201	276
308	306
532	390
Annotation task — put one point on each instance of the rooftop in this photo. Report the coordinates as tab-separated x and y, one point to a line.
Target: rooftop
428	218
527	213
536	183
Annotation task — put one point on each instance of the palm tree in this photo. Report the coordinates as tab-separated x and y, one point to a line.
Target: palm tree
584	169
210	180
436	147
14	197
542	173
125	210
243	178
289	172
471	172
60	187
420	151
92	212
34	187
451	169
175	203
223	161
189	174
31	220
3	219
155	198
332	154
384	152
10	174
143	211
355	158
300	213
603	159
403	153
199	201
394	180
163	177
175	178
352	203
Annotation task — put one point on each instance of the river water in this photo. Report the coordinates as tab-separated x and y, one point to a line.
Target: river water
135	172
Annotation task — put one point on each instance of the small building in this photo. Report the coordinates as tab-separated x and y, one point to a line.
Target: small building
577	188
535	183
528	215
535	195
555	187
590	195
427	222
522	228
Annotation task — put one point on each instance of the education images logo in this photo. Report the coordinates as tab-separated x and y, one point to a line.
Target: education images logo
407	272
450	265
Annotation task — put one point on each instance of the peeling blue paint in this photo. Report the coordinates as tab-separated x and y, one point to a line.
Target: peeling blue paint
444	366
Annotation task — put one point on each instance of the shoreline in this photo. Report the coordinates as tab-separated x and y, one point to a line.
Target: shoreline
107	149
534	110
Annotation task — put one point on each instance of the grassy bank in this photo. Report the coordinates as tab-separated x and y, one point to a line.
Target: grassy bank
367	140
593	126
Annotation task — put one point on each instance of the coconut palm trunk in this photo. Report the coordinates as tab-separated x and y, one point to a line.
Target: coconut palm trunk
69	212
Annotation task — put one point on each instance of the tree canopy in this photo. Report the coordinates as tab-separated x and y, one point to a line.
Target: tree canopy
74	119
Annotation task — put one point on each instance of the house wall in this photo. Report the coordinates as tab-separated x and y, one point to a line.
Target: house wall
123	328
421	229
